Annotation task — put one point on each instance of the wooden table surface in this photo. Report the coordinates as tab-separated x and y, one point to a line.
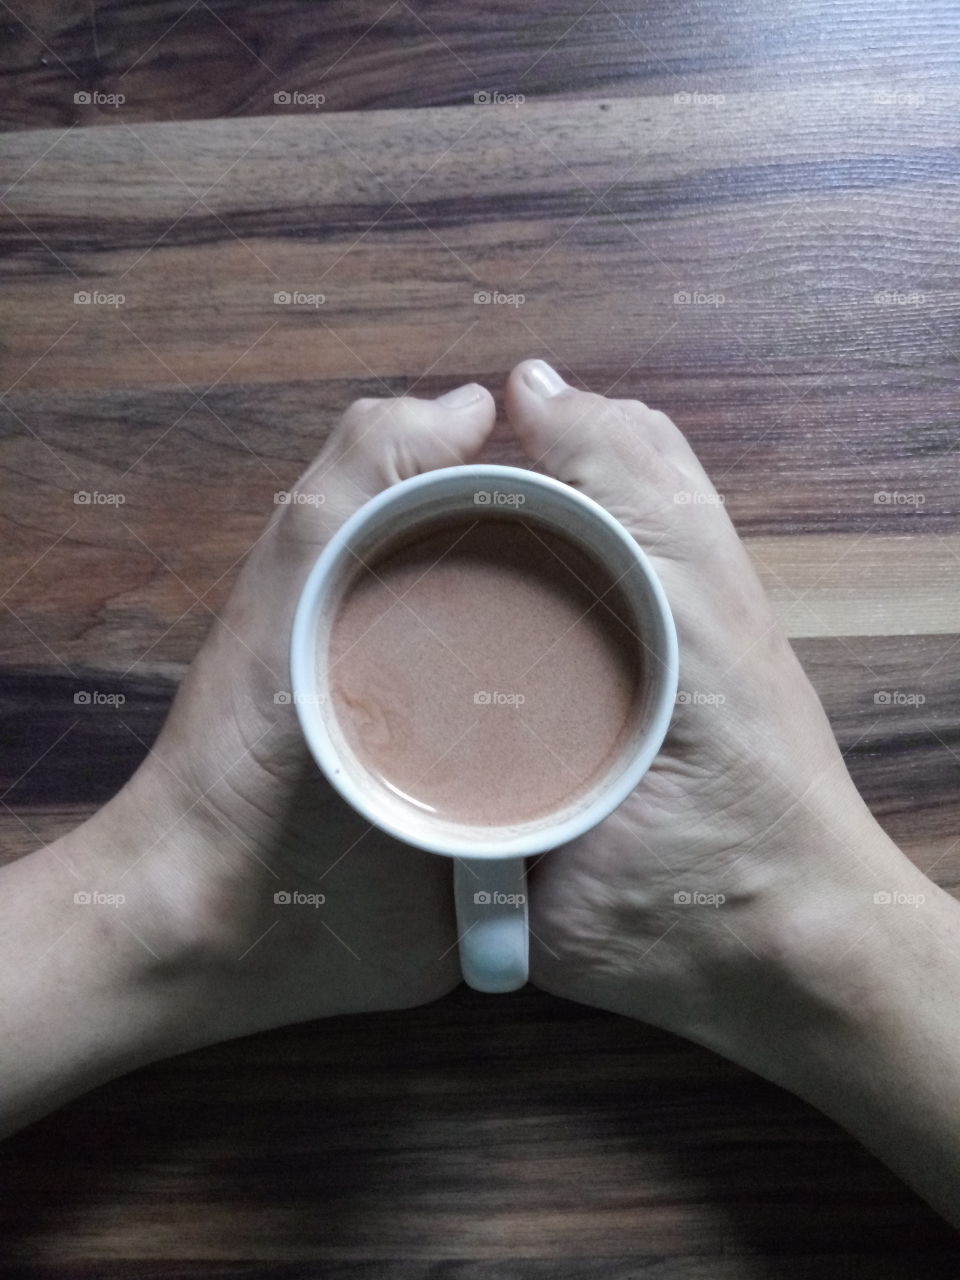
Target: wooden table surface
745	213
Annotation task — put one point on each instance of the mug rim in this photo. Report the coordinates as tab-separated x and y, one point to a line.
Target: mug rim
304	680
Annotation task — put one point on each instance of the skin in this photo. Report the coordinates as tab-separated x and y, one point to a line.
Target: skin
797	973
227	810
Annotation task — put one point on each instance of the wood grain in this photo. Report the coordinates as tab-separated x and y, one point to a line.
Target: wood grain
535	1136
173	59
774	261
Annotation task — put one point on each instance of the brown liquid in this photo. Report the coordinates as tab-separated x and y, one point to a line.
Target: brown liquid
475	672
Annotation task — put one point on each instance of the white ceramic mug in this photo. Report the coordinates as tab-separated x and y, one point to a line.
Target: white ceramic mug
489	869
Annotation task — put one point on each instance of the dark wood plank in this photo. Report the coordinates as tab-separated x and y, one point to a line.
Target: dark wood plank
813	197
174	59
618	1141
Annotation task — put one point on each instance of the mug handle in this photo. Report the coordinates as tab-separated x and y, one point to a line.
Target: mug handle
493	930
